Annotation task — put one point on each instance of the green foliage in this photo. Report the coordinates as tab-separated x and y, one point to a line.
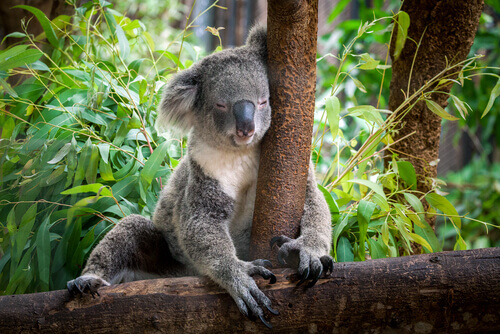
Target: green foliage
377	210
78	148
475	190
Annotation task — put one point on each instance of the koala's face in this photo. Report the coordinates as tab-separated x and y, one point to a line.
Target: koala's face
224	98
234	101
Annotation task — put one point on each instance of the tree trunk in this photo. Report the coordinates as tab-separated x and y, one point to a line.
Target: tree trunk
449	292
446	30
286	149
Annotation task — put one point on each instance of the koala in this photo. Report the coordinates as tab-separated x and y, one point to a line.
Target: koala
203	218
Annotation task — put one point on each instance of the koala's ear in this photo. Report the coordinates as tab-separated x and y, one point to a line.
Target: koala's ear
178	101
257	39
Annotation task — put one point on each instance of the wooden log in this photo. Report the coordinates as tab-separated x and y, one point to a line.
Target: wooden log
448	292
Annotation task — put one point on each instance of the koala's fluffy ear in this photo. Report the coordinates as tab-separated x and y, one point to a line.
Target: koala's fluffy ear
177	104
257	39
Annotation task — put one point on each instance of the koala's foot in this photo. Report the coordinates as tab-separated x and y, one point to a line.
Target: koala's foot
309	265
86	284
247	295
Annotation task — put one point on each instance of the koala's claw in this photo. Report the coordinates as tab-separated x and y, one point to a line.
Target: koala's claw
86	284
327	262
280	240
264	321
292	252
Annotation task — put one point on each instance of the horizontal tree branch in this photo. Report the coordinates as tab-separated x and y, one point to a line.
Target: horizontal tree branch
455	292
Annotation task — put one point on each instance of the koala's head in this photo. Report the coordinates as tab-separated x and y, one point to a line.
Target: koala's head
224	98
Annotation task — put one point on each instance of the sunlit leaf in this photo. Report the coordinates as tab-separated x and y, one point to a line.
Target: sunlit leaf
442	204
438	110
332	106
403	23
495	92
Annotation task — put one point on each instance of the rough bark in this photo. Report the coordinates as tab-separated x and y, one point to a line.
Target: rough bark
446	29
449	292
292	33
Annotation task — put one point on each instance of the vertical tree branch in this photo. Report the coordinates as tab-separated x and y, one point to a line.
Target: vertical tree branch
446	30
292	32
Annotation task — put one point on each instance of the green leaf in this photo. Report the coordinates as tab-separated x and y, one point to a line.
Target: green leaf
493	95
460	244
43	253
154	162
9	90
26	57
96	188
408	174
369	62
122	42
460	106
376	250
92	163
429	235
106	171
358	84
381	201
332	106
24	231
421	241
440	203
61	154
15	34
403	23
438	110
365	212
44	22
329	199
344	250
339	8
11	52
372	185
337	230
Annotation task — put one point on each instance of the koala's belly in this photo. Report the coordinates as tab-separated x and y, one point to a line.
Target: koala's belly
241	224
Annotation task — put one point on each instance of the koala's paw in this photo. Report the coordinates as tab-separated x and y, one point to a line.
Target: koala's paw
310	266
248	297
86	284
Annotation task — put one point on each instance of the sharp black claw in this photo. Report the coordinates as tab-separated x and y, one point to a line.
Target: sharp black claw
267	263
272	279
268	325
313	282
304	277
273	241
273	311
281	260
330	266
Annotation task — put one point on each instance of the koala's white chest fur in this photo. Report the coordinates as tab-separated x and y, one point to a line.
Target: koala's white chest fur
236	171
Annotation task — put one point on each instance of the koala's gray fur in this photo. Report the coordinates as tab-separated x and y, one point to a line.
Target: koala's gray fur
202	222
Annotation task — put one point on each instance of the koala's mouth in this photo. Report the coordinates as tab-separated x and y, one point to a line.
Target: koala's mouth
242	141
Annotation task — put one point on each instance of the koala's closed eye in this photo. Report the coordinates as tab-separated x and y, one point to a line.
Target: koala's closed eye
262	104
221	106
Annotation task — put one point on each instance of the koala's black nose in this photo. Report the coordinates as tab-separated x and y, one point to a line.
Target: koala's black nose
243	113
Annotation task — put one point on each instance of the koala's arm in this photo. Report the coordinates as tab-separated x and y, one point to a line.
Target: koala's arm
205	239
310	252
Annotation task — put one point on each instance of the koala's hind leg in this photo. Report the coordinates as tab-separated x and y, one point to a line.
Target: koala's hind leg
134	249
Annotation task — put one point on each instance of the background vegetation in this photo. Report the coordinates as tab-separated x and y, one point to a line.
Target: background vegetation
79	149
